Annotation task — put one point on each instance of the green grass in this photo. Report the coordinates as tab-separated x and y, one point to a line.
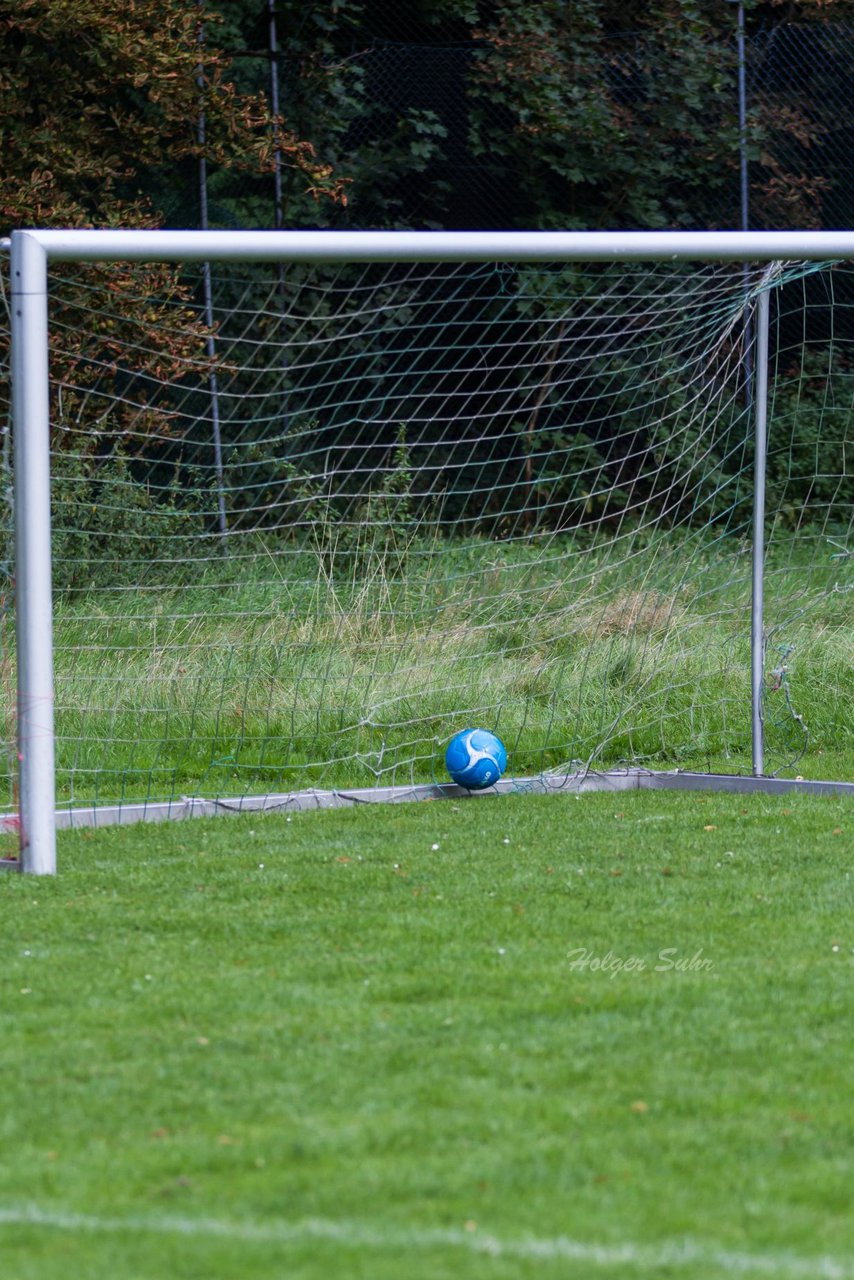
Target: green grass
320	1046
280	672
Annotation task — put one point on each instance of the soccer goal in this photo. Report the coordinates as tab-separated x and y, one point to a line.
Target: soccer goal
293	508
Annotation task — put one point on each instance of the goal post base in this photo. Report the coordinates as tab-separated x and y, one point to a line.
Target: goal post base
582	781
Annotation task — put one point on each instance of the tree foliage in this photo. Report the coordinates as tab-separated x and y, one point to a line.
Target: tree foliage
501	113
101	109
456	113
608	131
101	97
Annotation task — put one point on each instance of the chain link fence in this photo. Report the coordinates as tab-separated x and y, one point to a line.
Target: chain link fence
800	93
427	148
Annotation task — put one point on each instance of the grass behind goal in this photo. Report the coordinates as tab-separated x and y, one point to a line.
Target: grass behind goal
242	685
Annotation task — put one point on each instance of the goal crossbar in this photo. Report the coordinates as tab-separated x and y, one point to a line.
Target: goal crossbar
439	246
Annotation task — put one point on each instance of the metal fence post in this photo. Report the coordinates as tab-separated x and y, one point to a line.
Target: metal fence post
210	343
742	121
744	185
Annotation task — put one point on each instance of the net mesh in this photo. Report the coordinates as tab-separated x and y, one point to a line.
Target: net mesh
374	505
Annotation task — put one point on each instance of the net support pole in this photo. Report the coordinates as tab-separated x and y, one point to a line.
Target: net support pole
757	622
278	189
33	605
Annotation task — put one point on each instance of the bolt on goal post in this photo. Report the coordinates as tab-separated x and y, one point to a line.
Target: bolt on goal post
33	250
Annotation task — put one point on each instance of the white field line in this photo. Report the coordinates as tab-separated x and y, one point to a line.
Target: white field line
677	1255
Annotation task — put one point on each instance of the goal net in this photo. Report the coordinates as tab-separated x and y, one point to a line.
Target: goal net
310	519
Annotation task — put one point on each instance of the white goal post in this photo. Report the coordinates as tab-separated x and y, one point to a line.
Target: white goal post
34	251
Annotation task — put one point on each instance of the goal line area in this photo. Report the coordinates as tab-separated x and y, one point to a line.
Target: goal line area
290	509
582	782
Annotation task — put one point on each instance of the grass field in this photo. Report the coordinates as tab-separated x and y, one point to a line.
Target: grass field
532	1036
277	672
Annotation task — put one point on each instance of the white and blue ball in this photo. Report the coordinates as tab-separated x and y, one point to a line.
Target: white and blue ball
475	758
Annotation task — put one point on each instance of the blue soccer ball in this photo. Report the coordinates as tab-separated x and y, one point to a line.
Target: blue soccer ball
475	758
